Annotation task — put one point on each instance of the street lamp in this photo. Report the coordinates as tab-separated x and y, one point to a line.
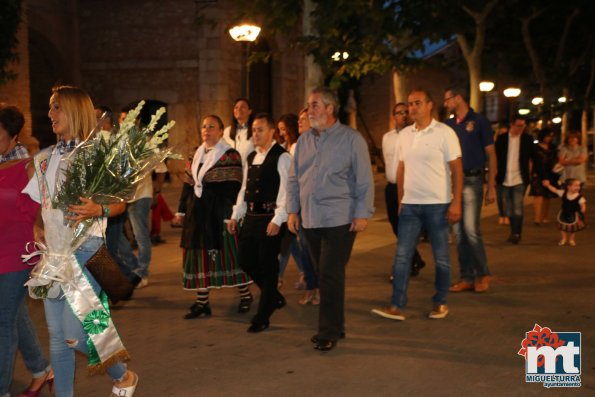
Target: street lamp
557	120
511	93
537	101
245	34
562	99
486	86
338	56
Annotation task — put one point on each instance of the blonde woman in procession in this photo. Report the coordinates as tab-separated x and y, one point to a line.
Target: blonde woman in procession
72	117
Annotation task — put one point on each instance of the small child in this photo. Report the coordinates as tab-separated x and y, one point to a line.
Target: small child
571	218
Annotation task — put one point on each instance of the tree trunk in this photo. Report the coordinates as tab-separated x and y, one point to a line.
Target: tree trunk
473	55
475	99
538	69
566	93
399	87
313	72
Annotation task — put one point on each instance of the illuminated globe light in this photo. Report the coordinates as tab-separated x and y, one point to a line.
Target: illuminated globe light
537	100
486	86
512	92
557	120
562	99
244	32
337	56
524	112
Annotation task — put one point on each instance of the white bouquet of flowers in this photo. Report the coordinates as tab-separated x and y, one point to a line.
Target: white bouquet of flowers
106	168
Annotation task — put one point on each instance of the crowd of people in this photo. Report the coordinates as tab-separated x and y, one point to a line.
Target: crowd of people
262	190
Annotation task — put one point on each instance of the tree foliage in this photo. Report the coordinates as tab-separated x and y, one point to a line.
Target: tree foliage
10	19
367	30
543	45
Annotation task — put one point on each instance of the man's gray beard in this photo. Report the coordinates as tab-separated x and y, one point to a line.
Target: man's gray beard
319	124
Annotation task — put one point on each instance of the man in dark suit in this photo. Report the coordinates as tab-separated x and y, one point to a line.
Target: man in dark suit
514	152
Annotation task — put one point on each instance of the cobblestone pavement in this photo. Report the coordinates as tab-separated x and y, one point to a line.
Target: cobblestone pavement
472	352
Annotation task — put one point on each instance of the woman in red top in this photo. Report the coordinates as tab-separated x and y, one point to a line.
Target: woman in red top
17	215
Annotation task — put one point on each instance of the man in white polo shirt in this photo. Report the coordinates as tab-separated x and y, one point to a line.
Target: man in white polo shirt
430	184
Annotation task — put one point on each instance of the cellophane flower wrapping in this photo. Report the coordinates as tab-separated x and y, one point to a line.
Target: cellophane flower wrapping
107	168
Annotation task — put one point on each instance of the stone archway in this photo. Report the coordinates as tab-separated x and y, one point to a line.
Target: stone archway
46	69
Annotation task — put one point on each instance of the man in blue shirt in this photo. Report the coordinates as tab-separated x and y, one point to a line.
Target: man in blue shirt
477	145
331	188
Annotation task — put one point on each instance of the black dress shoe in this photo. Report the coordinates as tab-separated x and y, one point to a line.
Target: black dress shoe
514	238
416	267
314	338
255	328
198	310
325	345
281	303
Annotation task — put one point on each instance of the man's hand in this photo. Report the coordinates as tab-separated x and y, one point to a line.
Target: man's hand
358	225
293	223
454	212
272	229
490	196
232	226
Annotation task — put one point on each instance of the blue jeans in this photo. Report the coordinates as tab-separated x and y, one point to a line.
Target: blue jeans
289	246
63	326
414	217
500	201
119	247
513	200
472	254
299	249
17	330
138	213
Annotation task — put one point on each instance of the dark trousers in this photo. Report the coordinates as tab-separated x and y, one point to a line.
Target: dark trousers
392	210
330	249
259	259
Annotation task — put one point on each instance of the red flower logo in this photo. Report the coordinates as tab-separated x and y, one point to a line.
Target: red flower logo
540	337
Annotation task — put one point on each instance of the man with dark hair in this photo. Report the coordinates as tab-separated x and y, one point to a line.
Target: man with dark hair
514	151
477	145
391	161
429	180
262	199
332	189
11	123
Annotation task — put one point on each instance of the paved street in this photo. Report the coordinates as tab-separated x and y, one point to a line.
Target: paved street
473	352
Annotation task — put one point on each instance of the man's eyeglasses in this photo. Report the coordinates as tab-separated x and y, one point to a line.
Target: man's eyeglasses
450	97
401	113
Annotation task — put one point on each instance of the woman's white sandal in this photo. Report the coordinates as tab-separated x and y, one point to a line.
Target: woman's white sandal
125	391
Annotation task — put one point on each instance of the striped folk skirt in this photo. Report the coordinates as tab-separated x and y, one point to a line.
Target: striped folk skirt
213	268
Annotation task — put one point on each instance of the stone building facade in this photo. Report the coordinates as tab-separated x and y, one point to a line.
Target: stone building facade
177	52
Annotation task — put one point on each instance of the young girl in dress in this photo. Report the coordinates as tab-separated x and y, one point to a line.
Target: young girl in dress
571	218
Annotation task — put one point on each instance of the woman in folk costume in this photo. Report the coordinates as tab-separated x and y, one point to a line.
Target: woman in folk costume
77	312
210	253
